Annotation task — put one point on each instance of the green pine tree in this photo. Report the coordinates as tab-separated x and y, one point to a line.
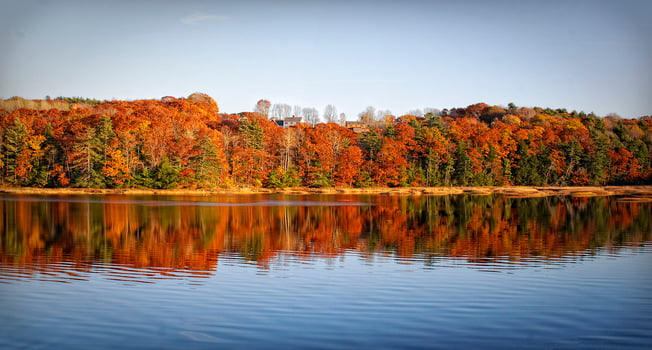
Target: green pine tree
252	134
463	165
598	163
166	176
104	135
371	142
89	160
206	164
15	143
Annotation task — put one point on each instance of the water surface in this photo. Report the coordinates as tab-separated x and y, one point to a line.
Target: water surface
324	271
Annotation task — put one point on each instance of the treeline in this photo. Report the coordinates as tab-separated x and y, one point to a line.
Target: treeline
187	143
76	99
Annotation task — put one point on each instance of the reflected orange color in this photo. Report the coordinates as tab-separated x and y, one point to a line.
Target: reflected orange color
145	233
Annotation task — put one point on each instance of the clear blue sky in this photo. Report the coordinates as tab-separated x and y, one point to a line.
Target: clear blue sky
397	55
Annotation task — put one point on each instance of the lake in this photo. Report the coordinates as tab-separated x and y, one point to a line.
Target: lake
324	271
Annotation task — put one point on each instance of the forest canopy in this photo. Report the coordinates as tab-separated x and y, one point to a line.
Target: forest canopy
188	143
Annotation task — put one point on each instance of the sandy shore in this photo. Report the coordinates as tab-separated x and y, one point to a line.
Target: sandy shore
642	193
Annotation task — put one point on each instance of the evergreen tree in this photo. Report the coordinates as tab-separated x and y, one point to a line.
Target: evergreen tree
543	168
532	169
252	133
430	167
52	155
371	142
165	176
449	168
621	131
207	164
280	179
599	161
507	170
574	157
390	132
463	165
89	159
15	143
640	150
523	164
490	173
104	135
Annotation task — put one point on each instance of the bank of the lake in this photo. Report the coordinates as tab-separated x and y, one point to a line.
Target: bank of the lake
633	193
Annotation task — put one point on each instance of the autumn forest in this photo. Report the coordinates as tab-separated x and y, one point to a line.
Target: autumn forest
187	143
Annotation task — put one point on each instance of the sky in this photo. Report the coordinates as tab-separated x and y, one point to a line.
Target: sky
592	56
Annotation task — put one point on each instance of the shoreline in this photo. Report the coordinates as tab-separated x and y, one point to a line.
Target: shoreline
643	192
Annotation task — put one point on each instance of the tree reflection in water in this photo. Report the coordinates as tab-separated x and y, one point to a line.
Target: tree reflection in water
191	236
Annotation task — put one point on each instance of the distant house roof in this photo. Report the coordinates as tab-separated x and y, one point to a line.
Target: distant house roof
357	127
293	119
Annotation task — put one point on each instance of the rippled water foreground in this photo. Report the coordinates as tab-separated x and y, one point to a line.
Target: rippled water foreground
275	271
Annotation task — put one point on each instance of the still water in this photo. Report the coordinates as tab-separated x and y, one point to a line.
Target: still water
324	271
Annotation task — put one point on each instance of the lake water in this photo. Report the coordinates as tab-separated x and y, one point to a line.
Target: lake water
324	271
